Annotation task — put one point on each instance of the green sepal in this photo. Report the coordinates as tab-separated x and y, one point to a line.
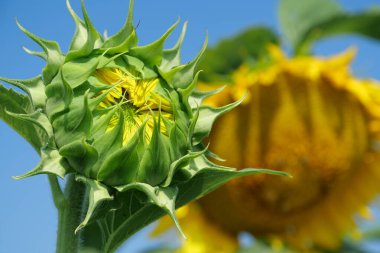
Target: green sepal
163	197
42	55
123	166
151	54
130	42
138	66
97	194
91	40
155	161
53	52
101	121
180	162
110	141
51	163
82	117
134	63
75	123
125	38
214	156
81	156
60	96
186	92
178	139
109	62
34	87
138	161
196	98
172	57
207	117
78	71
193	123
80	35
184	77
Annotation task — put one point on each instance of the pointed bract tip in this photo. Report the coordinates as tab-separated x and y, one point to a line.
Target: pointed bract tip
177	225
131	9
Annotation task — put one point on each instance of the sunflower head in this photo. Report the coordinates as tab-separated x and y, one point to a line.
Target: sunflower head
120	116
312	118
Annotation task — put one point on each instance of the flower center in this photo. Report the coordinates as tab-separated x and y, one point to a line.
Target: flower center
138	99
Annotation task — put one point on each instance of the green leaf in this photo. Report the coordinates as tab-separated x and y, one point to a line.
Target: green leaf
138	217
34	87
14	102
364	23
305	22
98	193
225	57
39	120
297	17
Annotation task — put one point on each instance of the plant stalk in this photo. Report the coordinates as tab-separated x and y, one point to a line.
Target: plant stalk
69	216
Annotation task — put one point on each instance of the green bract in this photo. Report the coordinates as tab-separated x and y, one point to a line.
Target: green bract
122	118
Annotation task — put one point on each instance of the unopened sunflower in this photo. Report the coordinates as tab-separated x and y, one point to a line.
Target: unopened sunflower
307	116
122	119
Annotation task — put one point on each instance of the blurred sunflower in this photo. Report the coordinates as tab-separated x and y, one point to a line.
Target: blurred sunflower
307	116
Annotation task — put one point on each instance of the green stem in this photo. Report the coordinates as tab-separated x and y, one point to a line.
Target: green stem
56	191
69	216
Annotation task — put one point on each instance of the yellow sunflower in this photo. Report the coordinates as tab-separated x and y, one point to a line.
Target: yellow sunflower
307	116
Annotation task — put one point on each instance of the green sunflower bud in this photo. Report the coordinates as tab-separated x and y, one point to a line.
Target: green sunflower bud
121	117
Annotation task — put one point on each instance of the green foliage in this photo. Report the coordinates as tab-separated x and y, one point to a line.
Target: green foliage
297	17
228	54
12	101
304	22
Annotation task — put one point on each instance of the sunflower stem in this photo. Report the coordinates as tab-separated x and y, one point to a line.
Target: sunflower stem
69	216
56	191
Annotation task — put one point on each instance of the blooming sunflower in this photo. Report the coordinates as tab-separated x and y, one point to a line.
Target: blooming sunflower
307	116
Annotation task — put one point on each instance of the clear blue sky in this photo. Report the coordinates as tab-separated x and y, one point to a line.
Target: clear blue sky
28	219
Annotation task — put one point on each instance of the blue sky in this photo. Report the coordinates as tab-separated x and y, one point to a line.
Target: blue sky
27	216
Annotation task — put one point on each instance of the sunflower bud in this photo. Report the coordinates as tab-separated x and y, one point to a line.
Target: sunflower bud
120	116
